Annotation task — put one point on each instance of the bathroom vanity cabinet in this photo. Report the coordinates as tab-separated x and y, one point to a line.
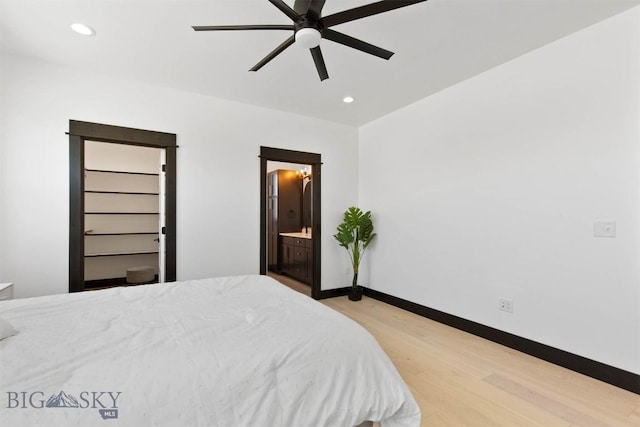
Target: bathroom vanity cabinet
297	256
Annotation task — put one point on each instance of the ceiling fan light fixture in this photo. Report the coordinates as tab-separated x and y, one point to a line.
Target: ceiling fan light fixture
308	38
348	99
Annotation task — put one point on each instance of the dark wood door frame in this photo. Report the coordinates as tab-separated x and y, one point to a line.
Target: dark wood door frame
79	132
290	156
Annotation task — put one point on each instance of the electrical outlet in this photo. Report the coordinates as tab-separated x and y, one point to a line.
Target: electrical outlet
604	229
505	305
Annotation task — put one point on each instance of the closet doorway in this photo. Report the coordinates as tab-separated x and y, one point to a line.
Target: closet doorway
124	214
122	206
290	234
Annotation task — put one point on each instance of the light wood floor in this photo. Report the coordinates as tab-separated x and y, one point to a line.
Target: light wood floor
292	283
461	380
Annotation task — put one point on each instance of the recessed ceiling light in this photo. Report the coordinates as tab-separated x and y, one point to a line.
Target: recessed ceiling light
347	99
83	29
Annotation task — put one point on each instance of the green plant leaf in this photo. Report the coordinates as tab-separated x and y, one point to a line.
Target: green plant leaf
355	233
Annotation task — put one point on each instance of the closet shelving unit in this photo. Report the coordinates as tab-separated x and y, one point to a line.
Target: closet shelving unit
122	207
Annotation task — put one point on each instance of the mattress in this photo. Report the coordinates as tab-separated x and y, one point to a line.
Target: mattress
231	351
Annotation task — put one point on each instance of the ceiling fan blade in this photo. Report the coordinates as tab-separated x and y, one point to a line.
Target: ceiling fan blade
356	44
366	10
301	6
315	9
284	8
277	51
311	8
316	53
241	27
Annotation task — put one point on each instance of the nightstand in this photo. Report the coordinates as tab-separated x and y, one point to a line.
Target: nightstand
6	291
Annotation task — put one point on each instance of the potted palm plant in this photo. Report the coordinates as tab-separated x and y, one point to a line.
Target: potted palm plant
355	234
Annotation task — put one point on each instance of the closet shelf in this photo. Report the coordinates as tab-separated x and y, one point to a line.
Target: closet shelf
120	254
135	193
122	172
130	233
122	213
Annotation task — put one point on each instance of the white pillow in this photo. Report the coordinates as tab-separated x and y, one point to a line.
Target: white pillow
6	329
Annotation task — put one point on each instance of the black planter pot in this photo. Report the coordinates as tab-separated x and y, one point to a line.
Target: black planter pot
355	294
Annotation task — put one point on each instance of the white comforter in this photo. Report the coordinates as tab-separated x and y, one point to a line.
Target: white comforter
234	351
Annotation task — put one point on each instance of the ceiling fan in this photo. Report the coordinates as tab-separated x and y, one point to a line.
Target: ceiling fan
309	27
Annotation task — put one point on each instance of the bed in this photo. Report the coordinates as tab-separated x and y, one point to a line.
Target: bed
230	351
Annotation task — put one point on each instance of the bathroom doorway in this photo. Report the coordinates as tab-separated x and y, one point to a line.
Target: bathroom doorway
290	216
289	225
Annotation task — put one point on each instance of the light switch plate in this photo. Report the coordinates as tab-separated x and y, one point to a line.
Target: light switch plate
604	229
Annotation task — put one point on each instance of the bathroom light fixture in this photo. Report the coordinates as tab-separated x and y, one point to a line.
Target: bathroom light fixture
83	29
304	173
348	99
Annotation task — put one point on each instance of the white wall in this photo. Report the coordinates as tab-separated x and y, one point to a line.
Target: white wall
218	170
490	189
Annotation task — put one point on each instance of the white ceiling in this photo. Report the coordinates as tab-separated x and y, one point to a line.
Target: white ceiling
437	44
